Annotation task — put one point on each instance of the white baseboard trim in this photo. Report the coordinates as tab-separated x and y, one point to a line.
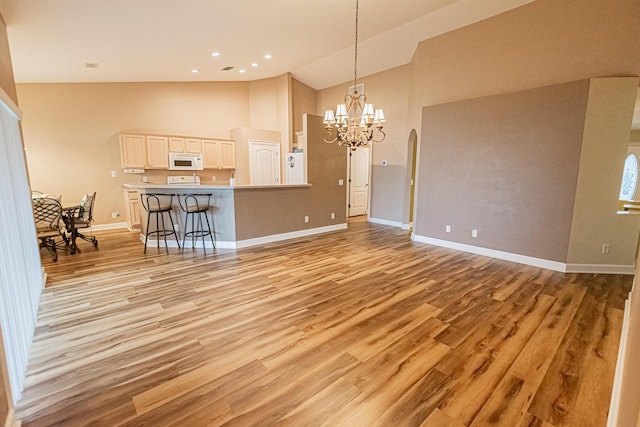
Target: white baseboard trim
527	260
112	226
614	404
408	226
171	243
507	256
600	268
385	222
291	235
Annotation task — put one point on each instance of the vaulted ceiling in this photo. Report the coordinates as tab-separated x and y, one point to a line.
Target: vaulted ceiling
164	40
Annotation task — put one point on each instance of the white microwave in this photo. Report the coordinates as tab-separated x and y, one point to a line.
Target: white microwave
185	162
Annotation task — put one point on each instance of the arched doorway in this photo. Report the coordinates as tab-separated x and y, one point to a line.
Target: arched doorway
412	162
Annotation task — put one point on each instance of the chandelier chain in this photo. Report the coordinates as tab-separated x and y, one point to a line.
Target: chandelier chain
355	60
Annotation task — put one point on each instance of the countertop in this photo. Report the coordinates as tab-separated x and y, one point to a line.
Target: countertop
176	187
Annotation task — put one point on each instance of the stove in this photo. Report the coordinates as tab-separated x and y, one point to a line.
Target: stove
183	180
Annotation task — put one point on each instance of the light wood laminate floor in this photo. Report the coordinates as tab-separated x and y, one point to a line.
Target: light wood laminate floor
354	328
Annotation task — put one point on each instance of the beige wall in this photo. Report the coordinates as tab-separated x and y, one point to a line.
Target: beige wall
263	104
505	165
285	111
6	68
304	100
635	136
604	148
71	130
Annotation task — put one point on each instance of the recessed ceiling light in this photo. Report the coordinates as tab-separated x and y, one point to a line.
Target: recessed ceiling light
195	70
242	70
215	53
267	56
255	64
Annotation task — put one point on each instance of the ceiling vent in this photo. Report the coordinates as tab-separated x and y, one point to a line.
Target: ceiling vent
227	69
91	65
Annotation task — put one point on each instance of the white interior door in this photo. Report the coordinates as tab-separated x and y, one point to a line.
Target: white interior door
358	181
264	159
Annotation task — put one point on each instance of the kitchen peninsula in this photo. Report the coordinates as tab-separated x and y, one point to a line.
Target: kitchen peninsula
247	215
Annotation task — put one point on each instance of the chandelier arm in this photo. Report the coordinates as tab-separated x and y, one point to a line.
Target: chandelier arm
379	132
328	134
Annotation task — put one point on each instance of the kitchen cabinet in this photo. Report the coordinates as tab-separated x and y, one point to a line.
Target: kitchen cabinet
185	145
139	151
176	145
193	146
133	151
157	152
132	203
219	154
227	154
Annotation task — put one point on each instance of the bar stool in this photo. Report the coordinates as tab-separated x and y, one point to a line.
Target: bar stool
192	205
158	204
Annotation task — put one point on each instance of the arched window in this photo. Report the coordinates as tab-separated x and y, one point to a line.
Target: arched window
629	178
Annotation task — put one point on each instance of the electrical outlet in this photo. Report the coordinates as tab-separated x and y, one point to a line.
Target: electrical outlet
606	248
306	218
117	213
145	179
447	228
114	214
113	174
341	182
333	215
474	233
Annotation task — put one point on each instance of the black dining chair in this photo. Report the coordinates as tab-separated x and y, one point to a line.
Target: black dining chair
78	218
47	213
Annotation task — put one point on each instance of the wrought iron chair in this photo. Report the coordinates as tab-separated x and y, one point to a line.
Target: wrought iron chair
78	218
159	204
196	205
47	213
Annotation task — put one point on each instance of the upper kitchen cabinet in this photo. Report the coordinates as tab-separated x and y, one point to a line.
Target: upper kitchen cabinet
185	145
193	146
144	151
133	151
176	145
227	154
219	154
157	152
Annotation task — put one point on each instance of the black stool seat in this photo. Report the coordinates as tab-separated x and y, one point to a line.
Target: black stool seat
159	204
192	205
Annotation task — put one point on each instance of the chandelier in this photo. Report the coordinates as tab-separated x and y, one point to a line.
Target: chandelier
355	123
